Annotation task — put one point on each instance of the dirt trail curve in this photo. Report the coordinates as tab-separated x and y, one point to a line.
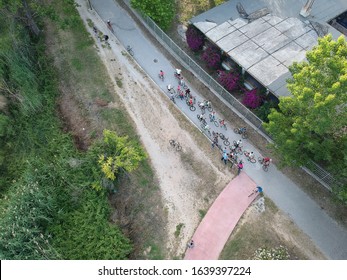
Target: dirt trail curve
186	189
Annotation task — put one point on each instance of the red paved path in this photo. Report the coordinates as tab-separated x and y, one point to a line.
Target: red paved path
220	220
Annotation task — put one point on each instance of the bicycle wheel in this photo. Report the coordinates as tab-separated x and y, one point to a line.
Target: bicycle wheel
225	127
202	126
209	109
260	160
236	130
252	160
178	147
265	168
216	123
209	133
221	135
192	108
226	142
245	135
202	110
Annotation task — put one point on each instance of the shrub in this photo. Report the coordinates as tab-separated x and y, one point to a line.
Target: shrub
195	39
264	110
252	99
212	57
229	80
278	253
161	11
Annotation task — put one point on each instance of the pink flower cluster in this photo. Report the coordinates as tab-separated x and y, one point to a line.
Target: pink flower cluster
195	39
229	80
252	99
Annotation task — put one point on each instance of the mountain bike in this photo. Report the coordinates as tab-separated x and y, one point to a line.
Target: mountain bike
213	119
249	158
222	124
225	139
264	165
175	144
241	131
130	50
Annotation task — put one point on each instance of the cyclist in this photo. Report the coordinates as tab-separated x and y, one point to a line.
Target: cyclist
207	103
207	127
251	155
179	89
213	116
161	74
243	130
169	87
190	101
178	73
187	92
172	97
202	118
106	38
109	24
238	143
266	161
202	105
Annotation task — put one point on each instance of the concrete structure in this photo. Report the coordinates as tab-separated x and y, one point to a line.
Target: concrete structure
266	46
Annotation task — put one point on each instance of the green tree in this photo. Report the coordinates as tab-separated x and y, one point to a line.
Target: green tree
311	124
119	155
161	11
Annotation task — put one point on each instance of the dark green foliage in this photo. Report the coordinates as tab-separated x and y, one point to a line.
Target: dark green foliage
264	110
45	181
86	234
161	11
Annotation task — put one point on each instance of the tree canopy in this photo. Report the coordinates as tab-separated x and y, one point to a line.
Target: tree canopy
312	123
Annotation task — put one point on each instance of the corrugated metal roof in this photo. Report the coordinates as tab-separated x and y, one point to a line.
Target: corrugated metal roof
267	46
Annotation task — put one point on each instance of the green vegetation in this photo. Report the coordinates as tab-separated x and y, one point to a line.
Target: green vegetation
312	123
161	11
178	229
48	209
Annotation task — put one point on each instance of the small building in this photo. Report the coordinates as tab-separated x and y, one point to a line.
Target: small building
265	37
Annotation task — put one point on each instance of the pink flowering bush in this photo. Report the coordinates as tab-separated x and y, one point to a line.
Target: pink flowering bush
252	99
229	80
212	57
195	39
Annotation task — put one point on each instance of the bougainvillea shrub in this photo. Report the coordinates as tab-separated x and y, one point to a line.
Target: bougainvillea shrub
195	39
229	80
252	99
212	57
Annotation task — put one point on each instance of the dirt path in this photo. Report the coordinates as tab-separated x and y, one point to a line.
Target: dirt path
190	179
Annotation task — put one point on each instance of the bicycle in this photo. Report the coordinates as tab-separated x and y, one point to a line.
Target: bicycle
207	129
201	119
161	75
171	90
208	106
241	131
265	166
249	158
172	98
213	119
175	144
202	107
222	124
191	106
225	139
130	50
236	147
183	84
109	25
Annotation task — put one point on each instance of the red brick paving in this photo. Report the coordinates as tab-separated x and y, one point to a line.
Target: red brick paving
220	220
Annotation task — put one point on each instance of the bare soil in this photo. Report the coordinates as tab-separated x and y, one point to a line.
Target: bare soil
188	181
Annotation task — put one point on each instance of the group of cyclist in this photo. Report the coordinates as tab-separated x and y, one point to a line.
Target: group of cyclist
232	155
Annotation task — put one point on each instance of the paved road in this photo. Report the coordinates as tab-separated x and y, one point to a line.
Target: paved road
326	233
